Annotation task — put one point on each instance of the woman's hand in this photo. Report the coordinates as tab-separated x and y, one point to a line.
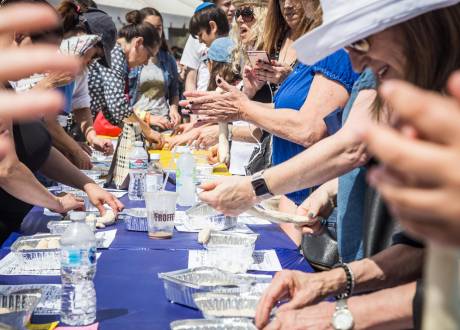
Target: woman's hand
160	121
273	72
182	128
318	205
208	136
175	116
69	202
216	107
98	197
183	139
102	145
229	195
54	80
301	288
154	138
213	156
251	84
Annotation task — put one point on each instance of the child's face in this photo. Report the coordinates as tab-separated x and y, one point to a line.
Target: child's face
207	38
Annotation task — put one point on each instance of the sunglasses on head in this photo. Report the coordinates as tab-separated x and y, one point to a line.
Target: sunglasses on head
361	46
247	13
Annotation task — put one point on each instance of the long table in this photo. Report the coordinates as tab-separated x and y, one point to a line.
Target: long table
129	293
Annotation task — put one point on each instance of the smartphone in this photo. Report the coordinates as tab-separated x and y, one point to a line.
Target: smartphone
256	55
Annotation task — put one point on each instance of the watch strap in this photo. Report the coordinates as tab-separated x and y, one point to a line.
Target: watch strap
350	281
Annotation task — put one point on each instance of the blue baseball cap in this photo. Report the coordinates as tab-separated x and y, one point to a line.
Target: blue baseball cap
204	5
221	50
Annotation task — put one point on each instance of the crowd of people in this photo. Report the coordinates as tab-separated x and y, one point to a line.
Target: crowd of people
349	110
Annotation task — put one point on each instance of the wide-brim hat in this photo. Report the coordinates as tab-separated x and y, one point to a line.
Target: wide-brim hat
256	3
345	22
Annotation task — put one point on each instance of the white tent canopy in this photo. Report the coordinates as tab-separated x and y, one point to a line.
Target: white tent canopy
171	7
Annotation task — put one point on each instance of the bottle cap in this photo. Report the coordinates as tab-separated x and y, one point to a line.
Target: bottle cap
77	216
155	157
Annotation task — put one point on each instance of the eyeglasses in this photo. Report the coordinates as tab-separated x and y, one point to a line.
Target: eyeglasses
247	13
361	46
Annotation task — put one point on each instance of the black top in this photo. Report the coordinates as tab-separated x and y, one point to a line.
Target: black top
33	145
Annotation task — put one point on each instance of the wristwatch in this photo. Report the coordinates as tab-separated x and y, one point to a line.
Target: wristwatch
260	185
342	318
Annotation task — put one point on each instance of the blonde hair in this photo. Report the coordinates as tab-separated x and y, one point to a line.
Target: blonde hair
276	27
256	41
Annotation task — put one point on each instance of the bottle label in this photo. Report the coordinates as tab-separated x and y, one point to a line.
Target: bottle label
138	164
78	257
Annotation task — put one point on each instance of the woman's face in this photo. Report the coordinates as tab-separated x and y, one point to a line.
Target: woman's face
138	54
292	12
245	24
92	54
385	55
156	22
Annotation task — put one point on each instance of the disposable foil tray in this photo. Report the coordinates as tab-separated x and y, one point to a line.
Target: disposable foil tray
203	216
216	305
58	227
218	324
182	284
136	219
16	308
29	253
217	238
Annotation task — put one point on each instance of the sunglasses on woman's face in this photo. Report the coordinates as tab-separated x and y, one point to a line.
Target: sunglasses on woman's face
361	46
247	13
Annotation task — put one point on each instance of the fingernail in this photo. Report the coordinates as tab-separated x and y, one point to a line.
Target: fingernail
191	102
311	215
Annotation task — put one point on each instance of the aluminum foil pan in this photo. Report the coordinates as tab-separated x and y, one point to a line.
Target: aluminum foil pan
58	227
216	305
203	216
16	308
219	324
182	284
38	251
136	219
217	238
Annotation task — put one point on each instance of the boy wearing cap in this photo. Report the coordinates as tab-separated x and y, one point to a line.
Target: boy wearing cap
197	76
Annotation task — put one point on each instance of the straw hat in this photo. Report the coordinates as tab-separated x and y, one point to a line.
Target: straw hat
345	22
257	3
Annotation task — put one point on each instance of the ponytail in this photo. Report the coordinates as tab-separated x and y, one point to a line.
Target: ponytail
70	13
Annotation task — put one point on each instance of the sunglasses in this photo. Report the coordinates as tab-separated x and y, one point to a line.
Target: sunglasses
361	46
247	13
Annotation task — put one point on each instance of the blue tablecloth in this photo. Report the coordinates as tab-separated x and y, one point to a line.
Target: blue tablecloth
129	293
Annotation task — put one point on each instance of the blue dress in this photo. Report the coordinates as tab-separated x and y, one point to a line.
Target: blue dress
293	93
352	190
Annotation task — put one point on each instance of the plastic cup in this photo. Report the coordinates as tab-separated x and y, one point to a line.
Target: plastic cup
161	211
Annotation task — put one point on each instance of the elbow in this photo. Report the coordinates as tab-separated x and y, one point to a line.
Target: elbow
310	138
7	171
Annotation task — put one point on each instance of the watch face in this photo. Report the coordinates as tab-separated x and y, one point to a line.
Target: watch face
342	320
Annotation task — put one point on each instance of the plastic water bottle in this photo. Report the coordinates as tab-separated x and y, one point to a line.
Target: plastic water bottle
78	267
138	162
185	179
154	176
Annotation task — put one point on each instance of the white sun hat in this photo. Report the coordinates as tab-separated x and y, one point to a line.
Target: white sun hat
347	21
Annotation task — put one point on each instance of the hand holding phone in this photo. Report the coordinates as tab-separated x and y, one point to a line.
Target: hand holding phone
256	56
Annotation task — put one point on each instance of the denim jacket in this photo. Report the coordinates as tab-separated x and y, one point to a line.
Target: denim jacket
170	76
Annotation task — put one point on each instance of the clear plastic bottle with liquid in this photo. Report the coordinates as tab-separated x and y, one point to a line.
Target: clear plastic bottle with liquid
185	179
154	176
138	163
78	267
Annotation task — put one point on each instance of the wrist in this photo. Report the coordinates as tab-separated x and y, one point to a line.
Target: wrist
59	207
245	104
90	135
335	282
